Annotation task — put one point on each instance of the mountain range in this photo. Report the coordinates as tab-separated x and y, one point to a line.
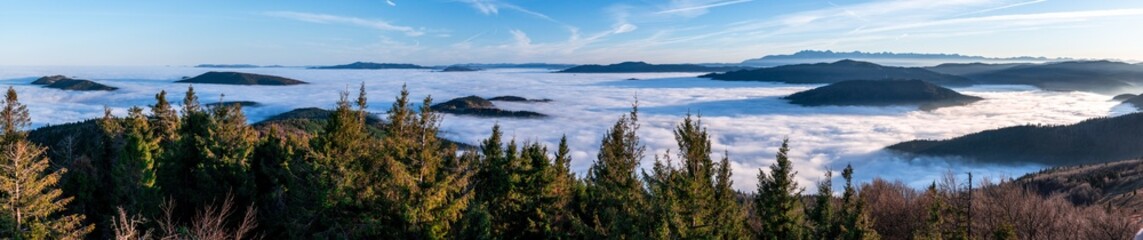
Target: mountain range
886	58
843	70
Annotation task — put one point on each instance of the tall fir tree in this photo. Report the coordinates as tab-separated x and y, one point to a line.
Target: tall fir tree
134	171
855	222
617	198
426	184
777	200
166	120
821	215
729	216
694	200
31	205
934	215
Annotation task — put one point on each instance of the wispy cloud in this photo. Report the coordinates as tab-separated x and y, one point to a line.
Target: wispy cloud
492	7
391	3
334	19
695	8
1016	19
1001	7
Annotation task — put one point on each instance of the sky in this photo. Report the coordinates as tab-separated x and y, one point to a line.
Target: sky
441	32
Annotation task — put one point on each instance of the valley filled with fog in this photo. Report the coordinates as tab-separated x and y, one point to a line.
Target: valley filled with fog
746	119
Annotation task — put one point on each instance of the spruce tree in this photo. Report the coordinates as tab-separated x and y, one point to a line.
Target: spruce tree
560	216
687	201
166	120
821	215
855	223
934	217
425	183
729	218
777	200
616	196
134	171
31	205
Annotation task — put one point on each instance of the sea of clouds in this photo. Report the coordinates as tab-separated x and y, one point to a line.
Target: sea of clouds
748	120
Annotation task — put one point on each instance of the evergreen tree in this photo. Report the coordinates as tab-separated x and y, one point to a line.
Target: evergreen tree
616	196
688	201
13	118
855	221
777	199
226	149
31	205
425	182
729	218
562	222
934	219
821	215
342	151
134	171
166	119
286	194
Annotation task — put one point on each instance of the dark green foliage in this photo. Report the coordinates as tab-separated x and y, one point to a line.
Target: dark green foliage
854	222
687	202
777	201
426	186
821	214
616	197
134	172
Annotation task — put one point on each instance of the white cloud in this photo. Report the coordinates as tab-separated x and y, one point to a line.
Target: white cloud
391	3
334	19
694	8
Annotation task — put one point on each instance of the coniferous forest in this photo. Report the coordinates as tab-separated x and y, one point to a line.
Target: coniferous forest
190	171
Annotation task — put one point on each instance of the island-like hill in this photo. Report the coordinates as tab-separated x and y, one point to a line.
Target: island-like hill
843	70
510	98
65	83
1094	76
370	65
456	68
238	78
881	93
885	58
480	107
1091	141
642	67
46	80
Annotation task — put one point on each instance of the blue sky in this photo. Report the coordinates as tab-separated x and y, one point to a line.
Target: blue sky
557	31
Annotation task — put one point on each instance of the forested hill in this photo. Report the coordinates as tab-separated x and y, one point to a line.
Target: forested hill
642	67
1118	184
1095	76
1091	141
836	72
881	93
